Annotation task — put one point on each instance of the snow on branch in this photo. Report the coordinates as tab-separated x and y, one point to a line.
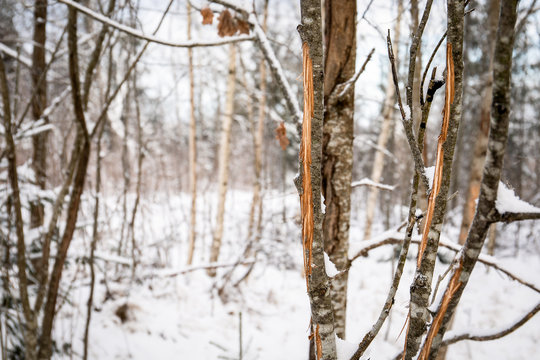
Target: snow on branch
392	237
270	56
130	31
369	182
12	53
215	265
493	335
277	70
512	208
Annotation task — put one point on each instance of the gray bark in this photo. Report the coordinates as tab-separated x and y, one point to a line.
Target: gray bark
309	182
421	286
337	147
486	212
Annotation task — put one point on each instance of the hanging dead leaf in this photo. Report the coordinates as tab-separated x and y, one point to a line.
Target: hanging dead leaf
243	26
281	135
227	24
207	16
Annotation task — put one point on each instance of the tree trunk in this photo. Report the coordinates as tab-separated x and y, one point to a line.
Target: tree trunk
45	341
255	221
480	141
337	145
28	315
386	130
192	147
421	287
309	181
39	103
224	158
486	212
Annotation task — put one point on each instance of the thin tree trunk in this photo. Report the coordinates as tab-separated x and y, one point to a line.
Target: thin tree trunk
39	103
481	139
337	145
255	221
138	185
386	130
93	244
309	182
486	212
480	142
45	341
224	151
421	286
28	315
192	146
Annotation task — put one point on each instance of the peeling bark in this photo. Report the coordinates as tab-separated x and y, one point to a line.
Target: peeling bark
421	286
486	212
309	182
337	146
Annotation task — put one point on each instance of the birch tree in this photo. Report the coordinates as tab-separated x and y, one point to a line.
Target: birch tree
192	146
224	154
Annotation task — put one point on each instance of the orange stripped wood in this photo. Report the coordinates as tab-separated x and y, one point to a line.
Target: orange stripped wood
437	177
306	198
453	286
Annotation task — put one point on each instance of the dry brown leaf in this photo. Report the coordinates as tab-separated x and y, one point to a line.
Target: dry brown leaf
281	135
207	15
227	24
243	26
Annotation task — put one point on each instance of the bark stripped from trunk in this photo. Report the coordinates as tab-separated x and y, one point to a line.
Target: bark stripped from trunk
224	159
486	212
421	286
439	165
340	38
309	181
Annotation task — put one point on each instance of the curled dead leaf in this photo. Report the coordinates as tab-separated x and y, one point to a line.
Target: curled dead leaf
207	15
227	24
281	135
243	26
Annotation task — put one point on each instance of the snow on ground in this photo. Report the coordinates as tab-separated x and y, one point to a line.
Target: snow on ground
184	316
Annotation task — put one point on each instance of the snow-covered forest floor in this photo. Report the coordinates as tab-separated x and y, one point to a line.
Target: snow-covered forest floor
185	316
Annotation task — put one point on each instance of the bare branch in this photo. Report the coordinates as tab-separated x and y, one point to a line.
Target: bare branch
371	183
407	123
344	88
495	335
393	239
151	38
511	217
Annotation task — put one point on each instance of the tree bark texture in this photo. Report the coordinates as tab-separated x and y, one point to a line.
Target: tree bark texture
309	182
384	135
421	287
337	145
224	154
39	103
486	212
481	139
